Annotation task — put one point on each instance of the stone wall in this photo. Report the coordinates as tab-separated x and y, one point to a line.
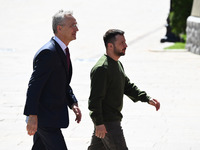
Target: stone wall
193	29
193	34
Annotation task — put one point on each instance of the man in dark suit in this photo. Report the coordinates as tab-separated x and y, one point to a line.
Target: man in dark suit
49	92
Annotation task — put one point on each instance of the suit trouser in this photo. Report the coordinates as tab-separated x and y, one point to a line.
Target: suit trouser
114	139
49	139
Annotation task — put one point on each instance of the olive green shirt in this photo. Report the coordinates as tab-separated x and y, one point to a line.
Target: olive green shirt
108	85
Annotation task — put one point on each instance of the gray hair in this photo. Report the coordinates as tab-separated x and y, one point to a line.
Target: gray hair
59	18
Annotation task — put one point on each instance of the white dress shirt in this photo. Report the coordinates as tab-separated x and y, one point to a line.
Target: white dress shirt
62	45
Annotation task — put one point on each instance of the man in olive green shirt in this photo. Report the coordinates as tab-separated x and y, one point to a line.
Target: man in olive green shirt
108	85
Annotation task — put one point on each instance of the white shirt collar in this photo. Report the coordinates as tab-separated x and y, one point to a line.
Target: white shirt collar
62	45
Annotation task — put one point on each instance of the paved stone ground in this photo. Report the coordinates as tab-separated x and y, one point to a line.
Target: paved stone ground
172	77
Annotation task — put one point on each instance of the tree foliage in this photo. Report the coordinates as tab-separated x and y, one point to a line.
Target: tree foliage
180	11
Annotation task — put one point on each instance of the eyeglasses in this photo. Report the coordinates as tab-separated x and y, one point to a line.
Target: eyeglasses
73	25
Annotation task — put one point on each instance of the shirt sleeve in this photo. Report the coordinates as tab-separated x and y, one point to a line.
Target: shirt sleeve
134	93
97	94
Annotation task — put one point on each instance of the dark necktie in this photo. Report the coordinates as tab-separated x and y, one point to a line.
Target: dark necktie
68	57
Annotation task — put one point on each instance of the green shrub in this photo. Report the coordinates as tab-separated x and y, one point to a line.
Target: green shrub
180	10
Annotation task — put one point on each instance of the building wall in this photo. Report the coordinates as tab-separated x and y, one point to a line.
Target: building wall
196	8
193	29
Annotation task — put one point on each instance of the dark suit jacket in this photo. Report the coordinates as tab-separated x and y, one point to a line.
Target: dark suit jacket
49	92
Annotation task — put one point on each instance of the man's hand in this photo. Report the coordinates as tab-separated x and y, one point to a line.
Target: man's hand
77	112
32	124
155	103
100	131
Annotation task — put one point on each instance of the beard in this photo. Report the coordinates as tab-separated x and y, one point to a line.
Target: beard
119	52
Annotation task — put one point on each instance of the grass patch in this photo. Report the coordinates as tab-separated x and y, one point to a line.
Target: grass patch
177	45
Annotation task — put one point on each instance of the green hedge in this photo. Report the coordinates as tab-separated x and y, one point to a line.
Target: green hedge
180	10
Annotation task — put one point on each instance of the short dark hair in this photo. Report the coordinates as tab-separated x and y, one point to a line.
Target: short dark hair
109	36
